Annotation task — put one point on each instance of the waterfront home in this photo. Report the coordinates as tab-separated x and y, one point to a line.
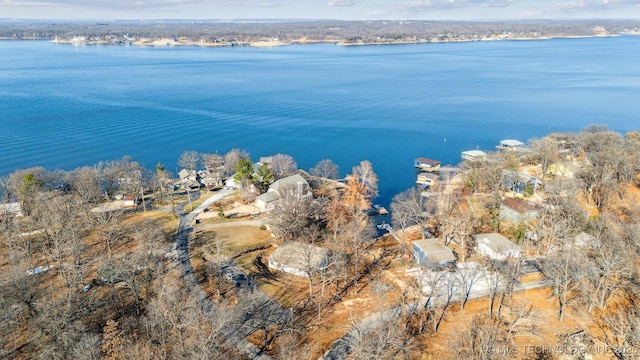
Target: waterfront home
510	144
298	258
473	155
269	199
427	164
496	246
432	253
427	179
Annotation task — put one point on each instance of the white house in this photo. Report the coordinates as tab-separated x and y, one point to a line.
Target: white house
496	246
299	258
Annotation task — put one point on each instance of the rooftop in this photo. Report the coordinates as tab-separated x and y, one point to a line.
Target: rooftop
521	206
511	143
496	242
427	161
299	255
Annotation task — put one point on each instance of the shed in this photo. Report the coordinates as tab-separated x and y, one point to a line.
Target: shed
496	246
432	253
298	258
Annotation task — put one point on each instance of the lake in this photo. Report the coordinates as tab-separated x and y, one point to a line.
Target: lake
63	106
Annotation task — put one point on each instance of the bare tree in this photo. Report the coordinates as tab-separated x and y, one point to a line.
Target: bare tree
468	276
296	214
613	268
620	326
64	223
189	159
231	160
108	228
363	172
212	161
481	338
543	151
325	168
283	165
22	288
408	208
566	268
87	183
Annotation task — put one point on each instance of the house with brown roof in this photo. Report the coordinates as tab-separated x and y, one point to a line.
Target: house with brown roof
427	164
518	211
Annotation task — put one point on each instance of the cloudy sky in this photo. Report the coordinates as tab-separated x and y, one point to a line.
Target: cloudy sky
321	9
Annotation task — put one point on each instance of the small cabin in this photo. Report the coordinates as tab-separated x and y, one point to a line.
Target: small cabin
427	164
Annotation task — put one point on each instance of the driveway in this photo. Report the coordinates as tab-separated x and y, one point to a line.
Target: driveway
257	310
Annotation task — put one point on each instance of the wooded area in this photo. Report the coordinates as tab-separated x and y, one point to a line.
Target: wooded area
149	280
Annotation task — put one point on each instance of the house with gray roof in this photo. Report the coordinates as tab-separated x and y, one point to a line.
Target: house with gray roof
496	246
432	253
268	200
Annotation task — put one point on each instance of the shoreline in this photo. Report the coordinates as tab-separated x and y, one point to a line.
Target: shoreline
161	42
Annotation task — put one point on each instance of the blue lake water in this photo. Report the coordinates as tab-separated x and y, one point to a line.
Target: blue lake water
63	106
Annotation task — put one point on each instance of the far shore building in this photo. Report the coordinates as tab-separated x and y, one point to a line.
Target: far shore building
299	258
433	253
427	164
496	246
268	200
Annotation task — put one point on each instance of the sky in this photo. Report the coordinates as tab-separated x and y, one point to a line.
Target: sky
321	9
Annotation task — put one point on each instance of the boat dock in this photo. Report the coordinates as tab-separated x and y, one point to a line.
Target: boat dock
377	210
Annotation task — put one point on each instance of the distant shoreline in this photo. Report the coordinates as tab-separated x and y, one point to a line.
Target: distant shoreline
163	42
269	34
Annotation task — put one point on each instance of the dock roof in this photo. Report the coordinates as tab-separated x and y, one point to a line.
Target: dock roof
427	161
